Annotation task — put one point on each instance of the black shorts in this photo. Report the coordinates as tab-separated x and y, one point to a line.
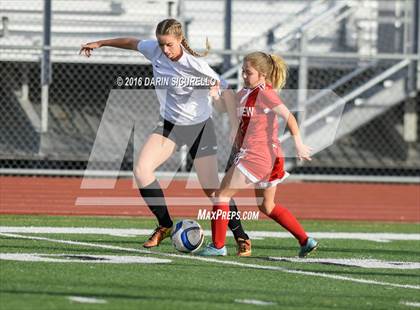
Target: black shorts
199	138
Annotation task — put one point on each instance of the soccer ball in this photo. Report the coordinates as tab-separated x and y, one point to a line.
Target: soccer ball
187	236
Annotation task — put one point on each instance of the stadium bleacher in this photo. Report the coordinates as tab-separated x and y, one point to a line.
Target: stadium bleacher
263	25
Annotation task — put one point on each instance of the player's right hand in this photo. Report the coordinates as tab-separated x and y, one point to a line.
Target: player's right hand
86	49
215	91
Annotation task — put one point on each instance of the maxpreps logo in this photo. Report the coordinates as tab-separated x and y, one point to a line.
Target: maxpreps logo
204	214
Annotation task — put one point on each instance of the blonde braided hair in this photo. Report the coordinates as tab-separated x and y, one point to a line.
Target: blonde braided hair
171	26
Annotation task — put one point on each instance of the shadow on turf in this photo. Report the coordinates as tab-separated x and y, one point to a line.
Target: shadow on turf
154	298
101	295
171	298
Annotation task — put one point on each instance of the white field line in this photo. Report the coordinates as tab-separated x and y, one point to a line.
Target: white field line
86	300
411	304
71	258
255	302
129	232
219	261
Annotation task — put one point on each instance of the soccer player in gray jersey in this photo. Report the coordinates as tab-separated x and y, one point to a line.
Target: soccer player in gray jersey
185	119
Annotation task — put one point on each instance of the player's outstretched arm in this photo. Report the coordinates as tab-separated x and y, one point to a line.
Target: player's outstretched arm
126	43
303	151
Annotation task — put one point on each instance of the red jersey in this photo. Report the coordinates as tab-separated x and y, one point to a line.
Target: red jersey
259	124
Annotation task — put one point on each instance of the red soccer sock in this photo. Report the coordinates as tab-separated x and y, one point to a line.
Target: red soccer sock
220	224
286	219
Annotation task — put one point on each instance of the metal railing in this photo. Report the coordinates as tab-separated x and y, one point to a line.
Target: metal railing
298	33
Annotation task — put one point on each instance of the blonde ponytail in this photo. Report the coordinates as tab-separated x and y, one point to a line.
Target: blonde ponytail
279	71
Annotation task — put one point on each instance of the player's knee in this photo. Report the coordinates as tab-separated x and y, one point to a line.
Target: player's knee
142	172
266	206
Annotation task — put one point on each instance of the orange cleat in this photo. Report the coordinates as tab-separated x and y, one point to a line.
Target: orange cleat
244	247
157	236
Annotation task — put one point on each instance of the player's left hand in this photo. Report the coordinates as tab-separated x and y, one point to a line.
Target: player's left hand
303	152
86	49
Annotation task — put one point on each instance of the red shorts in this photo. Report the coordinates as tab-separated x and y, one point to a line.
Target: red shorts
263	166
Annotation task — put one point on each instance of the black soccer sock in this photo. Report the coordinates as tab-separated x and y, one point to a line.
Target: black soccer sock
153	195
235	224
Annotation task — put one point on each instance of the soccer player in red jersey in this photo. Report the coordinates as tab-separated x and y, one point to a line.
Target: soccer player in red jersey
258	160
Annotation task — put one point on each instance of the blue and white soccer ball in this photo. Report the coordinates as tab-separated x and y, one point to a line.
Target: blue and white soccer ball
187	236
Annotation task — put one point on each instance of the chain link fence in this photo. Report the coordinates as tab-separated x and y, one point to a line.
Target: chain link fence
334	45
